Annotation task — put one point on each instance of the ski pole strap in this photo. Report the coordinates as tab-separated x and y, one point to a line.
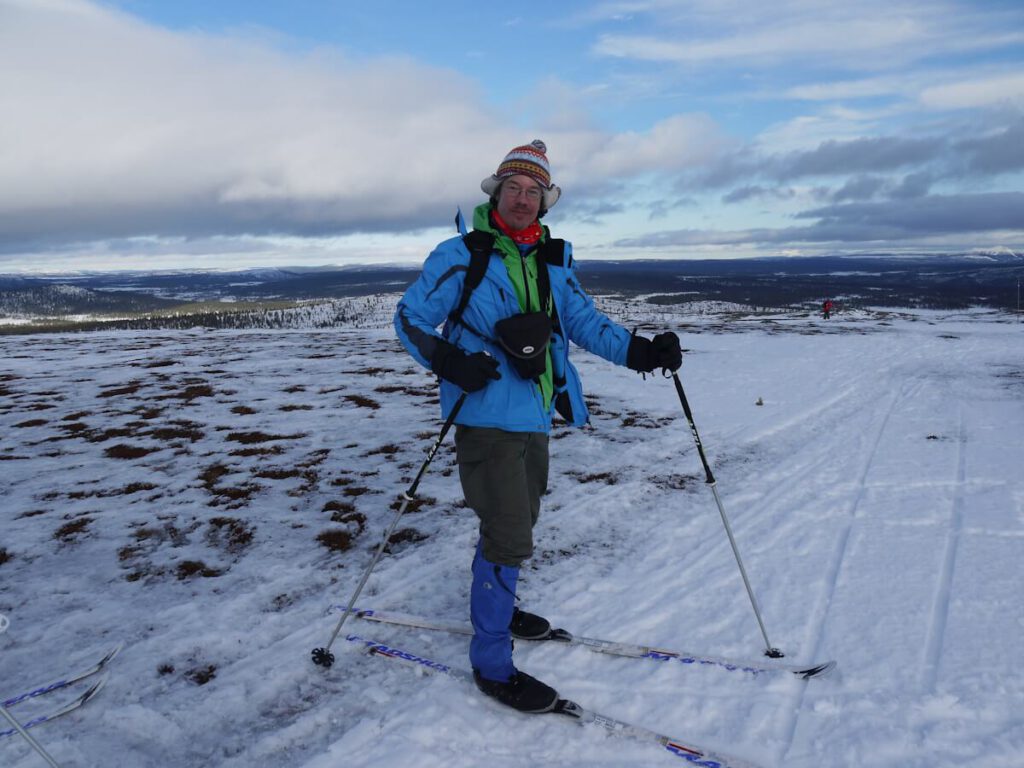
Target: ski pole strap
710	477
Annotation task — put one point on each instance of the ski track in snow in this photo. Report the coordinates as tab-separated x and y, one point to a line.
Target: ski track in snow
836	560
875	497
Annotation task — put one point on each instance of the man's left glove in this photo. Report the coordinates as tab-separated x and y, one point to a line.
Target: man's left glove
647	355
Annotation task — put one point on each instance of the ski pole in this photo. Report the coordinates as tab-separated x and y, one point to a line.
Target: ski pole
770	651
323	656
29	738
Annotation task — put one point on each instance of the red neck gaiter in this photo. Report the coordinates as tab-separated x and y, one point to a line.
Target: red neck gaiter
528	236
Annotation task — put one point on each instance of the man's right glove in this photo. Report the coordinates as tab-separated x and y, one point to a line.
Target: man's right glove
468	372
646	355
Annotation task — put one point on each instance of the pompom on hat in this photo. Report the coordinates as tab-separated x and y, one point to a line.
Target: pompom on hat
528	160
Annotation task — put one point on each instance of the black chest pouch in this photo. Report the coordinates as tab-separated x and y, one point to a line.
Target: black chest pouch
525	338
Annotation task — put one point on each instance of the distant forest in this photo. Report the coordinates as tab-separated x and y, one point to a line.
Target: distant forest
936	282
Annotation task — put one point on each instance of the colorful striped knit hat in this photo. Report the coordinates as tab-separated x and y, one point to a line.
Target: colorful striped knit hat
528	160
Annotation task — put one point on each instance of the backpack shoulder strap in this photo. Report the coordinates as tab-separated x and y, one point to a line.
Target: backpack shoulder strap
550	253
480	245
553	252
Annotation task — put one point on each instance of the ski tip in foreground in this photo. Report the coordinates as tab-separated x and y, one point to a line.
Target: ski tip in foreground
323	657
819	671
113	652
91	692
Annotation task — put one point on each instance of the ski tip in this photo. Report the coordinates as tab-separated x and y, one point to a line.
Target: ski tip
821	670
112	653
93	690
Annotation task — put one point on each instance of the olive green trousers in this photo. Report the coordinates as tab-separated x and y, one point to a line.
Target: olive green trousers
503	476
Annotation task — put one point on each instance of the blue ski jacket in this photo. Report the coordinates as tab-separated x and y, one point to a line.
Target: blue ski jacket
510	403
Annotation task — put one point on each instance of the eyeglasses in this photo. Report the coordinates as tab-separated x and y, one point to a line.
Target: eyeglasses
512	189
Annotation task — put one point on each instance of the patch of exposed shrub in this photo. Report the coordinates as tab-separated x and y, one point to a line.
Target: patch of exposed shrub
189	393
270	450
243	410
236	494
124	451
129	552
278	474
335	540
209	476
5	556
676	482
202	675
110	434
186	430
189	568
288	408
389	450
363	402
70	531
339	506
406	536
310	477
415	505
605	477
129	389
123	491
229	533
249	438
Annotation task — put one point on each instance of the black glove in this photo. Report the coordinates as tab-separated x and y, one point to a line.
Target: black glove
645	355
468	372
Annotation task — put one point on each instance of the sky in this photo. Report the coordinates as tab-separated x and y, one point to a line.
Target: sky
139	134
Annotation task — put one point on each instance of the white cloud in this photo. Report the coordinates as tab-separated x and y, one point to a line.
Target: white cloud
860	36
979	92
121	128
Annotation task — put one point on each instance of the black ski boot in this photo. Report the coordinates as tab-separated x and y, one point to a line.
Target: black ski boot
522	692
529	626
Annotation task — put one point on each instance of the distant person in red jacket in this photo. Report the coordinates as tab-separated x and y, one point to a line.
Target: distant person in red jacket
826	308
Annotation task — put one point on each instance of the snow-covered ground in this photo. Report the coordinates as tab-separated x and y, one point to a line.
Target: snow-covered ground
178	491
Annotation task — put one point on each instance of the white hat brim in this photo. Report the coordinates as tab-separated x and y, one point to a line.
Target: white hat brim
551	194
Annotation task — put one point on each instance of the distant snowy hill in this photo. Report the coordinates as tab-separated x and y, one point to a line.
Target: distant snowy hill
983	278
34	299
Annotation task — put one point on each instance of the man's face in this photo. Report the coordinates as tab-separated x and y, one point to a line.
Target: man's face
519	200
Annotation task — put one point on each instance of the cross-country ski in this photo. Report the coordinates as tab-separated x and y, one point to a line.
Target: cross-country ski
689	752
611	647
64	682
59	710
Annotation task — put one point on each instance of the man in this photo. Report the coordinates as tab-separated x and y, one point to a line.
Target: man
508	351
